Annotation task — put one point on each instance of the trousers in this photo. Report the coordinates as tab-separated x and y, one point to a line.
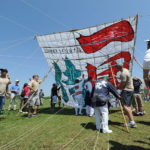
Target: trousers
2	102
89	110
101	117
12	101
79	104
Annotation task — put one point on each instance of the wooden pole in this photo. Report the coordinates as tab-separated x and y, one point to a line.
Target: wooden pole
124	118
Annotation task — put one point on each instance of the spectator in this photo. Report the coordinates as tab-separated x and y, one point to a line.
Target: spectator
24	98
88	102
137	101
41	95
126	85
4	82
15	90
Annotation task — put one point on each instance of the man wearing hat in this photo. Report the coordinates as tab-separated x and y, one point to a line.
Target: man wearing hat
4	82
126	85
15	90
146	65
137	98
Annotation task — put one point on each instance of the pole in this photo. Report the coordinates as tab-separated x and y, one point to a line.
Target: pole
122	112
32	94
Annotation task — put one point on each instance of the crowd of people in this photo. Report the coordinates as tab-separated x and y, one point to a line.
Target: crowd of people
96	97
30	96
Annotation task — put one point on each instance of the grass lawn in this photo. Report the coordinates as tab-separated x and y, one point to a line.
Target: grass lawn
61	130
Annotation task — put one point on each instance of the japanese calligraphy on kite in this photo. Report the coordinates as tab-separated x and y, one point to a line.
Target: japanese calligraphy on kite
91	51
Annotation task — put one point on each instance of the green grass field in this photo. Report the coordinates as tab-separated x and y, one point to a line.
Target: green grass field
61	130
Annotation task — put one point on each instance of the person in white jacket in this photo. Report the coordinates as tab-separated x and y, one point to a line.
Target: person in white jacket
146	65
78	96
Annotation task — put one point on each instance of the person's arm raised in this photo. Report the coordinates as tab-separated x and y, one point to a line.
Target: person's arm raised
44	77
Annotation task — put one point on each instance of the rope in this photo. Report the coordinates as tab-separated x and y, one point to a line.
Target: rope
81	142
141	66
17	43
21	57
64	146
27	133
140	15
18	24
44	13
96	140
14	125
58	129
29	57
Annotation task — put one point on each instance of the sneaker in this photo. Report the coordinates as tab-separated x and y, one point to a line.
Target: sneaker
141	113
20	111
29	116
132	125
24	112
80	114
34	115
138	114
107	131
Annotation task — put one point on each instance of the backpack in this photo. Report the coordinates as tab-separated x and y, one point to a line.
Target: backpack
98	98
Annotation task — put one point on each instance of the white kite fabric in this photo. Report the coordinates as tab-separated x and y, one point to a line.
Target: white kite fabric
92	51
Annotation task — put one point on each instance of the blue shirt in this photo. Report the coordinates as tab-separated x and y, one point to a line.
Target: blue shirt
15	88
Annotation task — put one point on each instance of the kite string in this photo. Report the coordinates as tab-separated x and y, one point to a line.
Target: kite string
74	146
25	134
72	139
18	24
43	13
53	130
17	43
96	140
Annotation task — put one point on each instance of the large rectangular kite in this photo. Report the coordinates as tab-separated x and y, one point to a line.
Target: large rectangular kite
92	51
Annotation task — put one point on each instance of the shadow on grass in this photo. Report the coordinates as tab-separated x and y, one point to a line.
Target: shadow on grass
118	146
118	125
142	142
115	123
64	111
2	118
89	126
144	122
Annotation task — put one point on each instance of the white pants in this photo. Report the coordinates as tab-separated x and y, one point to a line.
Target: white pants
54	99
89	110
101	116
12	101
79	104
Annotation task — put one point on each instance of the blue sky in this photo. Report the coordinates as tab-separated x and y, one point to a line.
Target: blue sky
19	23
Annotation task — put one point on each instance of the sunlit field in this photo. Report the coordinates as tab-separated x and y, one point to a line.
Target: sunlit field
61	130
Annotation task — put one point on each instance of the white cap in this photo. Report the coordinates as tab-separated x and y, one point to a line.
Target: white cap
17	80
147	40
